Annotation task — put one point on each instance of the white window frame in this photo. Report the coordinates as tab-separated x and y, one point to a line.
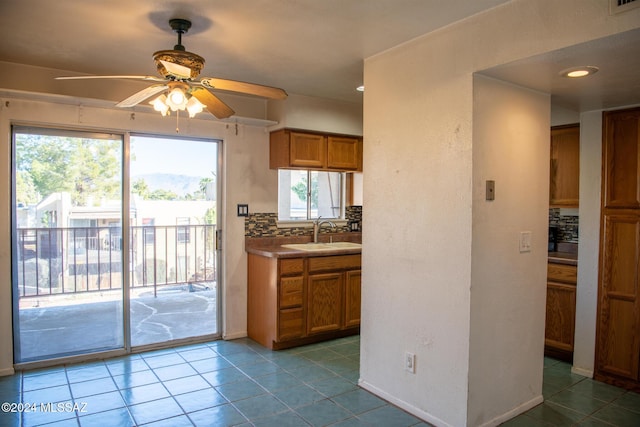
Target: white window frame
284	202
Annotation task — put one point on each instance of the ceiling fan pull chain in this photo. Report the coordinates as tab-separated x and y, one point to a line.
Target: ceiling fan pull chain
177	119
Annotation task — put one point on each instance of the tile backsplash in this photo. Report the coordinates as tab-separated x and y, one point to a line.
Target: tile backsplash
566	220
266	224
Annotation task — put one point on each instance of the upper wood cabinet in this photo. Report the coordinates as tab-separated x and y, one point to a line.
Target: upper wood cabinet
344	153
565	166
620	157
292	149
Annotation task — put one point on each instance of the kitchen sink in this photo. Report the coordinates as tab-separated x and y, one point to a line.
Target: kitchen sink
323	246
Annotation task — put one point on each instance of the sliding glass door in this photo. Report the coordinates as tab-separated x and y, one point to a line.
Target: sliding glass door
82	284
173	193
67	252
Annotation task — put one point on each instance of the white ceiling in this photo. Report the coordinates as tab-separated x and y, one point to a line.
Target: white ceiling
617	83
307	47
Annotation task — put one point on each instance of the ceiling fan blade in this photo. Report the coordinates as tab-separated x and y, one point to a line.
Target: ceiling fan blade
177	70
243	87
140	96
214	105
148	78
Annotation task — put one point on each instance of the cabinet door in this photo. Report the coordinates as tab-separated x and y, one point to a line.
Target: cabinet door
324	302
561	314
621	149
618	334
290	323
344	153
308	150
565	166
352	298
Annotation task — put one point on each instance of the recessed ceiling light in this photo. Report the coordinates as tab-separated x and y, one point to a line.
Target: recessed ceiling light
576	72
360	88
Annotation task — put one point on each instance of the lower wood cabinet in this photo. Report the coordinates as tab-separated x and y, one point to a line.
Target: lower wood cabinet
618	328
561	311
324	303
295	301
352	295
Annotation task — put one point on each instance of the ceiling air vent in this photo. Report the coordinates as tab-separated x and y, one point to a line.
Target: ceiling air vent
619	6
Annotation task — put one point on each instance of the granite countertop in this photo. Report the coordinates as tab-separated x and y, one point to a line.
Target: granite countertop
568	258
565	253
272	246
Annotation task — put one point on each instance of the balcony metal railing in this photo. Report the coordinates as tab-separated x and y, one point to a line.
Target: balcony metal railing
54	261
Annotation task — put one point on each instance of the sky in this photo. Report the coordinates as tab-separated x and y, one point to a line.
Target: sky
173	155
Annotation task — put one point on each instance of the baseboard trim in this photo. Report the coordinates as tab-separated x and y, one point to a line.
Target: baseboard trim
7	371
514	412
425	416
582	371
234	336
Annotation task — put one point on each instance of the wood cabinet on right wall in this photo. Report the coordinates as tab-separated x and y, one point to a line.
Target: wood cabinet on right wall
618	326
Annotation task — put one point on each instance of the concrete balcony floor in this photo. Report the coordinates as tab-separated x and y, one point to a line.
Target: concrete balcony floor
61	325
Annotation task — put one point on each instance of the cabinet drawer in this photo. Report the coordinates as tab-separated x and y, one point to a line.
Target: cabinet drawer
290	324
338	262
289	267
562	273
291	291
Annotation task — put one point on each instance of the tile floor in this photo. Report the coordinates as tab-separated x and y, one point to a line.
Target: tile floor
574	400
224	383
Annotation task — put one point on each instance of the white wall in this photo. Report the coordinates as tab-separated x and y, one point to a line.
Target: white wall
563	116
418	151
508	287
305	112
589	238
417	229
246	179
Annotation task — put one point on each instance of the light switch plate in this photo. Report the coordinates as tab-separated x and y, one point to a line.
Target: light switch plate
525	241
243	210
491	190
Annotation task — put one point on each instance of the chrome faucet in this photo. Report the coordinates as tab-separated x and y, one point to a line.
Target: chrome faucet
317	224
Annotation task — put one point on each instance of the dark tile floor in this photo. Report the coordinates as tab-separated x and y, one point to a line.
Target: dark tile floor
221	383
574	400
224	383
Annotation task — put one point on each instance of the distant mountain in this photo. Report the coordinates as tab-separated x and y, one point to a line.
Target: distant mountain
179	184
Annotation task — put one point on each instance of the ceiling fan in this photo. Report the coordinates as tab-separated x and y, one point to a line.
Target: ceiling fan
179	70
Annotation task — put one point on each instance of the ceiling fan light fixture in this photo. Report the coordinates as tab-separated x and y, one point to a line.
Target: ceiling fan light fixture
194	106
177	99
160	105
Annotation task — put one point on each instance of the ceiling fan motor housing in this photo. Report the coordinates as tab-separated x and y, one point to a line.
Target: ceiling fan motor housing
187	59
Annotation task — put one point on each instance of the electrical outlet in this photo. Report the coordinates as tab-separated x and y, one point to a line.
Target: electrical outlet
410	362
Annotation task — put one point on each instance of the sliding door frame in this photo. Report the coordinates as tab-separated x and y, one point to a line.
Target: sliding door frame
127	348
